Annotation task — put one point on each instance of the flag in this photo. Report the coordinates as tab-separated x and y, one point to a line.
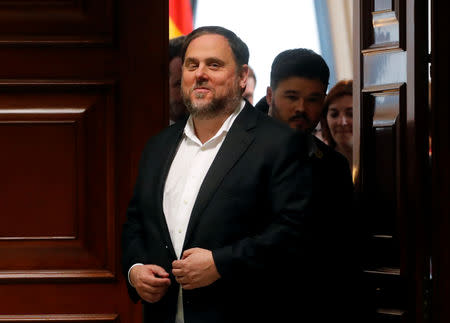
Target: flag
180	18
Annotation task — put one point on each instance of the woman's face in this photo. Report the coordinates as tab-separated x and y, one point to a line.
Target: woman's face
340	120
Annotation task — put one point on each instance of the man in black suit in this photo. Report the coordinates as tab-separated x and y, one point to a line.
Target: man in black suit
221	202
330	282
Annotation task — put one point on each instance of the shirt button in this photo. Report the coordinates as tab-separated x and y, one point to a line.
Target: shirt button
179	230
185	202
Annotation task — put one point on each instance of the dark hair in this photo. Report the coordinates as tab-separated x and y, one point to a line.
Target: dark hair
341	88
175	47
238	47
301	62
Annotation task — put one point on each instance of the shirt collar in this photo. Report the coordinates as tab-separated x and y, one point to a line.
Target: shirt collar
189	130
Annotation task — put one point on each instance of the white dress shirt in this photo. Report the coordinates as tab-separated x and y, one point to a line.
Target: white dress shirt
187	171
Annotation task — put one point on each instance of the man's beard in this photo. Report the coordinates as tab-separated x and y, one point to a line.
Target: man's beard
298	115
217	106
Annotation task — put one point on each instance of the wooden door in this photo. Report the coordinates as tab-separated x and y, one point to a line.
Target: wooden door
391	163
440	134
82	87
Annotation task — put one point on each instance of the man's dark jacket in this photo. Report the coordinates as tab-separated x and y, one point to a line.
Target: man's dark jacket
331	286
331	272
251	211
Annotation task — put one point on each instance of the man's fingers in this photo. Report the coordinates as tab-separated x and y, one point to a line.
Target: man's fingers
159	271
178	272
155	281
151	282
151	297
188	252
177	264
151	293
154	276
184	282
159	282
151	288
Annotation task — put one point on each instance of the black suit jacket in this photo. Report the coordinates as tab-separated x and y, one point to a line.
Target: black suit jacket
332	287
251	211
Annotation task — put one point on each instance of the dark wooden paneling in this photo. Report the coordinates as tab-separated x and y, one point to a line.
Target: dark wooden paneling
381	112
390	316
41	153
65	297
440	159
416	193
55	318
390	134
107	60
389	288
79	22
58	140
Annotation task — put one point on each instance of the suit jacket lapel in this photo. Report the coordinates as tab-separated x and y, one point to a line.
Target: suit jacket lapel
235	144
168	156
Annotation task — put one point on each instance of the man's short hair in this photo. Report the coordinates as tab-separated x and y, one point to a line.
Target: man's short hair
238	47
175	47
299	62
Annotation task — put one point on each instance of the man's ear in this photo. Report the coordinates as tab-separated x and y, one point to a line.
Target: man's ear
269	94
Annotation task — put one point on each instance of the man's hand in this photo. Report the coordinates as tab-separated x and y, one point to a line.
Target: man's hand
150	281
195	269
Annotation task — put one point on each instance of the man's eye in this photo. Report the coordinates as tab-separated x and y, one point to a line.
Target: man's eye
312	99
191	66
214	65
292	97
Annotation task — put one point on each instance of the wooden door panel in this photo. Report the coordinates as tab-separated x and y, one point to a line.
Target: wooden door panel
440	156
57	168
74	318
80	94
381	106
43	63
389	142
73	22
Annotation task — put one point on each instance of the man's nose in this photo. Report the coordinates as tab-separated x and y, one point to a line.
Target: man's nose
200	73
300	105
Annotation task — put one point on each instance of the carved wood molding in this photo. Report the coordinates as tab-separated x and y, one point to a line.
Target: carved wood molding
60	318
9	276
55	83
82	247
56	23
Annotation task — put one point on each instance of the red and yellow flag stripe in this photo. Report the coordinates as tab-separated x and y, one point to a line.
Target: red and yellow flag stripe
180	18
